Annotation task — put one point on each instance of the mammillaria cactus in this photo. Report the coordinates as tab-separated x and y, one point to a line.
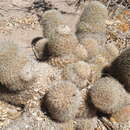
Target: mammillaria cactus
57	33
78	73
15	72
62	41
62	77
92	23
93	18
108	95
99	61
91	46
91	31
20	75
62	101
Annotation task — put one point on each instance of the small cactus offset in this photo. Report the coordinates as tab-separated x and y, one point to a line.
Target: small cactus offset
91	45
78	73
62	101
99	61
108	95
92	23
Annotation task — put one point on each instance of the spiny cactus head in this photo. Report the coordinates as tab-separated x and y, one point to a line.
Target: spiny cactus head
95	72
78	73
91	45
93	18
27	72
63	41
80	52
106	53
52	15
50	21
62	101
61	38
97	64
53	20
99	61
108	95
82	68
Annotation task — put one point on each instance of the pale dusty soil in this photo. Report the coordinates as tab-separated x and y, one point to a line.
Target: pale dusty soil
17	23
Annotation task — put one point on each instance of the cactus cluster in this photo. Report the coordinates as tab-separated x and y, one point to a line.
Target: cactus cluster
62	101
69	75
62	41
91	30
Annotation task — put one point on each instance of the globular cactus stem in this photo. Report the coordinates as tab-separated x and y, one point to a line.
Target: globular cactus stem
93	18
62	101
108	95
